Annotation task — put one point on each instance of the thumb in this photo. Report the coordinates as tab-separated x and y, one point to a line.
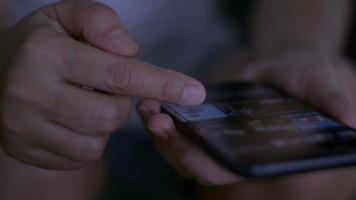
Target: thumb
333	101
325	90
96	24
318	85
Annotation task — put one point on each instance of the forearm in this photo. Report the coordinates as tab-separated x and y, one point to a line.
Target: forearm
312	24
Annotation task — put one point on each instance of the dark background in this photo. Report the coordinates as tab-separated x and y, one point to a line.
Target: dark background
238	11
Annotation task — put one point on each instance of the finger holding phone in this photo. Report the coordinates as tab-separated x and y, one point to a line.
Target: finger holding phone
298	55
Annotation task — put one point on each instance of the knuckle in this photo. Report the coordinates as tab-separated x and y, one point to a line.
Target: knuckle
125	108
23	103
15	152
33	39
132	49
105	126
93	150
166	91
14	98
171	88
11	125
36	43
27	50
119	77
7	126
15	90
105	117
94	10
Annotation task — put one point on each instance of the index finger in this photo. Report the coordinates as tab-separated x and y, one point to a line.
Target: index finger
95	68
135	77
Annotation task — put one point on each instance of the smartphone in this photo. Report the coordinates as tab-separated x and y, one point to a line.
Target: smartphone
258	131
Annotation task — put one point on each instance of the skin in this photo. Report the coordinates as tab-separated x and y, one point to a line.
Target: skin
329	184
296	46
44	136
67	125
27	182
68	73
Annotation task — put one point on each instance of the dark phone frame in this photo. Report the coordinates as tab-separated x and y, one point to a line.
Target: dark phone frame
268	169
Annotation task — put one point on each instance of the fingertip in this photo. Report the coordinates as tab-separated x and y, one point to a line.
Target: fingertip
147	108
349	119
148	104
160	121
340	108
193	94
161	125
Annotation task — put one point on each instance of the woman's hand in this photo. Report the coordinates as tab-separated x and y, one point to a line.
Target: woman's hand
326	84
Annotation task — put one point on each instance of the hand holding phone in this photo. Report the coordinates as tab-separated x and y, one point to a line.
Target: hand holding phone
256	130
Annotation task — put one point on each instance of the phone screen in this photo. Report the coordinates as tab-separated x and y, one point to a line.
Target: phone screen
247	124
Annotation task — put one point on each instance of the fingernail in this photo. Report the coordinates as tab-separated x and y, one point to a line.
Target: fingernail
193	94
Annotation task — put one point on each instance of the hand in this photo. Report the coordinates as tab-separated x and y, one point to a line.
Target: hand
327	85
68	77
185	157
